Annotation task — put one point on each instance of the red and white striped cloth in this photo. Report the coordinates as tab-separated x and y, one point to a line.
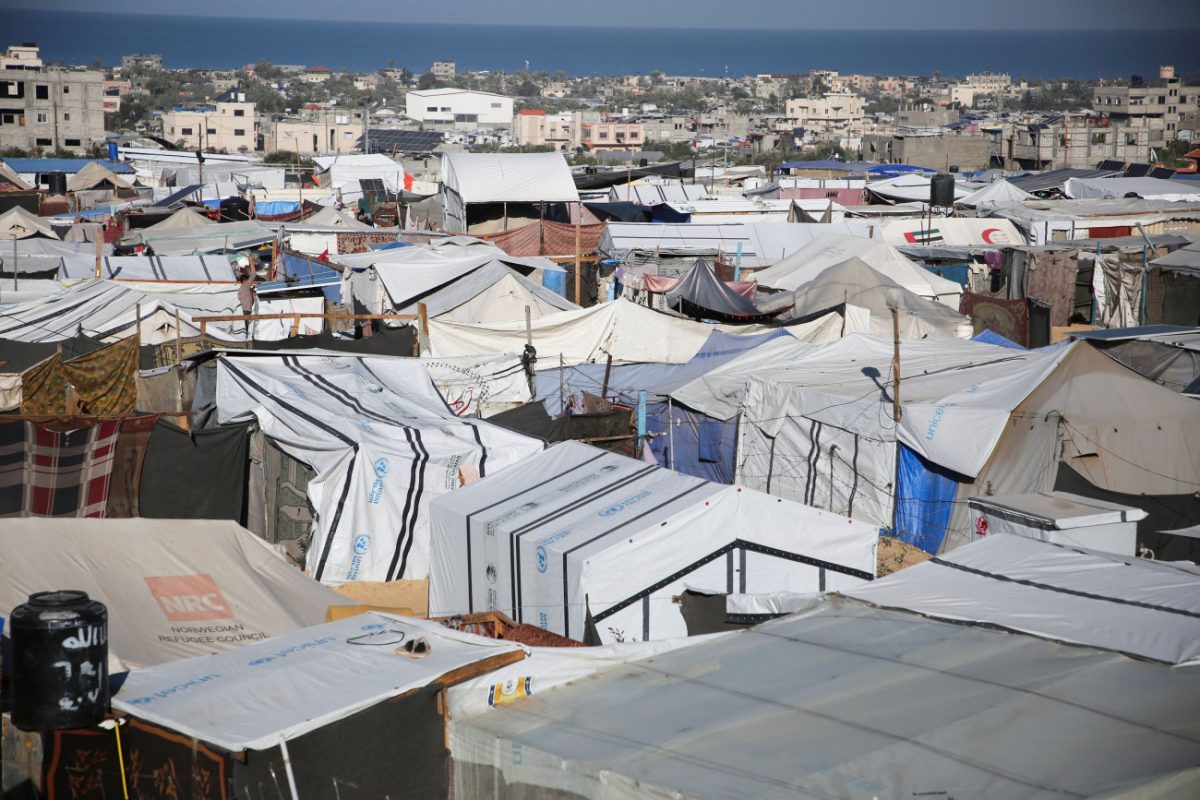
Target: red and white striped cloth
48	470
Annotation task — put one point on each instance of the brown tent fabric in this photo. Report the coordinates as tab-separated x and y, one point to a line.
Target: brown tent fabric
547	239
1050	277
104	382
126	479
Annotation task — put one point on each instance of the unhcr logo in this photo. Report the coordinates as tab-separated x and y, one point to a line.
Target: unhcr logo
541	559
626	503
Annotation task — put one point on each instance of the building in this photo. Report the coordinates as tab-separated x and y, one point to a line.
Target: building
536	128
327	131
444	70
611	135
141	61
458	108
1166	99
229	124
833	113
316	74
925	116
48	107
941	151
1080	141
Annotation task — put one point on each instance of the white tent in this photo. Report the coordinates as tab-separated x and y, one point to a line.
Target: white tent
1145	187
17	223
827	250
501	178
344	173
383	443
330	217
174	589
998	191
494	292
952	231
199	269
183	219
910	188
264	693
579	536
1146	608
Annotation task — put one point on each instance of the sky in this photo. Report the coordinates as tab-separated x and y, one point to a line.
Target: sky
767	14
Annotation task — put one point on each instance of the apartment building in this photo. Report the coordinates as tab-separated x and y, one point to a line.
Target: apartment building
832	113
228	124
611	135
141	61
536	128
1168	99
444	70
48	107
318	132
1080	140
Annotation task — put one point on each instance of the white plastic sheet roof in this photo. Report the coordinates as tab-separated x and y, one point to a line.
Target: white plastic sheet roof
200	269
1147	188
999	191
910	188
1144	608
495	292
263	693
509	177
845	701
173	589
828	249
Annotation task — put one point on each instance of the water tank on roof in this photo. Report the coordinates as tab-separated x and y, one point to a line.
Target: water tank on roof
59	661
941	190
57	181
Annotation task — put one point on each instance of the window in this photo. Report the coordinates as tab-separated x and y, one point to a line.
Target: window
42	91
239	112
8	119
186	131
211	131
41	117
633	134
445	109
603	134
71	142
239	131
43	142
66	90
431	108
66	116
495	105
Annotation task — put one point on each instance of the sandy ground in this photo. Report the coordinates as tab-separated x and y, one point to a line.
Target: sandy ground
893	555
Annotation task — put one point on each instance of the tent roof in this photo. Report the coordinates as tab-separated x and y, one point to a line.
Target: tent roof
829	249
509	177
93	175
906	188
701	293
254	697
17	223
31	166
891	704
1148	609
140	568
330	217
8	174
460	287
1147	188
183	219
200	269
999	191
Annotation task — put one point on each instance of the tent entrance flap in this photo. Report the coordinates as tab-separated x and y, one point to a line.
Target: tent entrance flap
924	501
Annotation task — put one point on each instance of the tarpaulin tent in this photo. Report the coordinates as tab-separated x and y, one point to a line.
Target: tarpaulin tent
187	588
502	187
1146	608
951	232
827	250
1144	187
998	191
382	442
580	537
486	290
702	295
198	269
17	223
846	700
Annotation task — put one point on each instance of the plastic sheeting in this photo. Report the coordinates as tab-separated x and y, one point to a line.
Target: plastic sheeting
843	700
924	501
261	694
383	443
701	294
581	536
173	590
200	269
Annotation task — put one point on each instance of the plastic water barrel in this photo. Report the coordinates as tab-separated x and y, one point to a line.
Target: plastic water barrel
57	181
59	661
941	190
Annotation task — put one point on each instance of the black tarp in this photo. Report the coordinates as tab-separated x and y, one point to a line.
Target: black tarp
620	211
702	295
19	356
199	474
602	180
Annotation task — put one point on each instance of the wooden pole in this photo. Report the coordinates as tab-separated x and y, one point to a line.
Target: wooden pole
896	364
138	313
578	252
607	375
99	254
423	336
178	341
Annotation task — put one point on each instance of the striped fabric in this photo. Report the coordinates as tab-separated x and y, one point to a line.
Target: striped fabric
56	470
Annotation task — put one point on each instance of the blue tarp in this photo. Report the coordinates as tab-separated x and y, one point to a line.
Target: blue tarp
303	273
959	273
388	245
272	208
555	282
28	166
924	501
856	167
989	336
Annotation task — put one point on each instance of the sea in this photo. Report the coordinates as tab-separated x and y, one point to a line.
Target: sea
224	43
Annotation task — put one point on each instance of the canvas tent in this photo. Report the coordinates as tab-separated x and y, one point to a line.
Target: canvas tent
845	700
998	191
173	591
591	544
827	250
490	192
198	269
1145	187
951	232
909	188
96	176
1146	608
702	295
17	223
382	442
346	172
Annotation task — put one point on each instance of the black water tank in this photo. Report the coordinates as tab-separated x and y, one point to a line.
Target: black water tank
57	181
941	190
60	661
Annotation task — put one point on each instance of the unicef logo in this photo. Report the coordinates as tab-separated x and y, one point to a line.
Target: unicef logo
381	467
541	558
362	543
608	512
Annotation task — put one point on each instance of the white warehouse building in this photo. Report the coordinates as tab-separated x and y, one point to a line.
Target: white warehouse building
459	108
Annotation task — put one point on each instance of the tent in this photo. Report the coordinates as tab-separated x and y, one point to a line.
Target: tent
187	232
346	173
702	295
951	231
1142	607
998	191
483	192
198	269
1144	187
183	219
844	700
177	590
330	217
382	442
592	545
910	188
865	298
17	223
96	176
827	250
334	710
10	177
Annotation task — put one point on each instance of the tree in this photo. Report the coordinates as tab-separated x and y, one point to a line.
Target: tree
427	81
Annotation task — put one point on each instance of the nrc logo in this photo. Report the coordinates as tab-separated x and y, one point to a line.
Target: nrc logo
189	598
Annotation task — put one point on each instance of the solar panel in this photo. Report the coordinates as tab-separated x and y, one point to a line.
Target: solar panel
176	197
387	140
1162	172
1109	164
374	190
1137	171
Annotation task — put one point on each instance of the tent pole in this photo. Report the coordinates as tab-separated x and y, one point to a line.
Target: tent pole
607	375
99	253
578	253
670	433
896	364
641	423
562	389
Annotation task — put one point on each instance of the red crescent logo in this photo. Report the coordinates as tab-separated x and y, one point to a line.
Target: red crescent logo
989	232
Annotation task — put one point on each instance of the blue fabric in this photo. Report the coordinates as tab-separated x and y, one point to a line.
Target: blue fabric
271	208
924	501
704	447
303	273
27	166
989	336
959	273
555	282
389	245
